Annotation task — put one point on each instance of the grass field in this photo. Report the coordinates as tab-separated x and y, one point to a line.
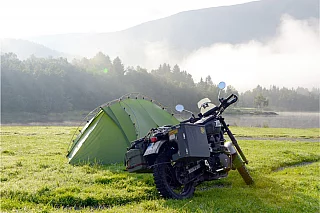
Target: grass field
36	177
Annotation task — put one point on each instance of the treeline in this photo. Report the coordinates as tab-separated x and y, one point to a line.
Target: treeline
45	85
284	99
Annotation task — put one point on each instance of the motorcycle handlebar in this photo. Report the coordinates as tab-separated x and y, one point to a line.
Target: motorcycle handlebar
224	103
235	99
211	111
228	98
191	120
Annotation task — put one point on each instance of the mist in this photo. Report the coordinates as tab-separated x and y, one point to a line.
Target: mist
289	59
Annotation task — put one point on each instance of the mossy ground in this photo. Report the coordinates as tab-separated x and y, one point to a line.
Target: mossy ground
36	177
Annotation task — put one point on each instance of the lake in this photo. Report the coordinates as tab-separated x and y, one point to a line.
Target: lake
283	120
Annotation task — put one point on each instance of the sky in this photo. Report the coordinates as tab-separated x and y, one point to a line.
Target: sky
21	19
289	59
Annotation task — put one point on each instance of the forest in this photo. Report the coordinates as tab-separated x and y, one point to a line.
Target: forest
54	85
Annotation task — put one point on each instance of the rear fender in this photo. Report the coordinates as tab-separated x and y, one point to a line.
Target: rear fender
154	148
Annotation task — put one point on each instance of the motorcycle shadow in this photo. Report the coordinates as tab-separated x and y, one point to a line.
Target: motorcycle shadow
233	195
205	186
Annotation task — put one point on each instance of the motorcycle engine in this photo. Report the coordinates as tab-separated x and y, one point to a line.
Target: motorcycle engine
214	135
219	161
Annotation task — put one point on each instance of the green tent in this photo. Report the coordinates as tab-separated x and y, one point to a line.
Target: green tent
105	138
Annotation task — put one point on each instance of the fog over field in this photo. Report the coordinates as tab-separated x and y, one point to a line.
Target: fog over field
290	58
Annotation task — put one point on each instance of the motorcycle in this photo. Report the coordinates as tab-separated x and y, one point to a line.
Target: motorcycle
184	155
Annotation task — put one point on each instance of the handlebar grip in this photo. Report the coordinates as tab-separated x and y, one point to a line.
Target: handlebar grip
226	102
235	99
230	96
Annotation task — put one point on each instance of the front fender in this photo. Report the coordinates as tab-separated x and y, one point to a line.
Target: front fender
153	148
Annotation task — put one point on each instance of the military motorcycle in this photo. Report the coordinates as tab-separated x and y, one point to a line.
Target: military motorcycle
183	156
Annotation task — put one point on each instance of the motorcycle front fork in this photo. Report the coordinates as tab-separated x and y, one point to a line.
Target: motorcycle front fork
236	161
234	142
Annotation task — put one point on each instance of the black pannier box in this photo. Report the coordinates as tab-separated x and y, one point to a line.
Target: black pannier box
135	161
192	142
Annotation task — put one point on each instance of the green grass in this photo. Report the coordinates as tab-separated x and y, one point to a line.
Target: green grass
36	177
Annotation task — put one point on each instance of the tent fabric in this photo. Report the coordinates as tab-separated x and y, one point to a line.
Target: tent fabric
155	112
140	117
107	135
119	115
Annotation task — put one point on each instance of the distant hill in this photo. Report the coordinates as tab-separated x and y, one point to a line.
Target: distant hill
230	24
25	49
187	31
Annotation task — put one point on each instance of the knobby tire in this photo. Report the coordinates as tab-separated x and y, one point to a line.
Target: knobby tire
162	180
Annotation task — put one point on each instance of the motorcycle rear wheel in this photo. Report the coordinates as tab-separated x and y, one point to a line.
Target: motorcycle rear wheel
245	175
166	182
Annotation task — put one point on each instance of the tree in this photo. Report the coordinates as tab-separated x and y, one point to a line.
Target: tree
97	65
209	80
100	62
118	67
176	69
140	69
261	101
232	90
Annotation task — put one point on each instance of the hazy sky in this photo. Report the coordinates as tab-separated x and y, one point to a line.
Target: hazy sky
19	19
290	58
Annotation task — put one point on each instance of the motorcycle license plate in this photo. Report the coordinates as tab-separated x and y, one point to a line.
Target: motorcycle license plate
152	148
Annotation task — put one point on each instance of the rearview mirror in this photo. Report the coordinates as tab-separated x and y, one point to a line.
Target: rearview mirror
179	108
222	85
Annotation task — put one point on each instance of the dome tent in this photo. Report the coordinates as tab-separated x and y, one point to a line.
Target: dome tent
106	136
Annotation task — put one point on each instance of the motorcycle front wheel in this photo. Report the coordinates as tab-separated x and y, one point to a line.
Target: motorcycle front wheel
168	186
